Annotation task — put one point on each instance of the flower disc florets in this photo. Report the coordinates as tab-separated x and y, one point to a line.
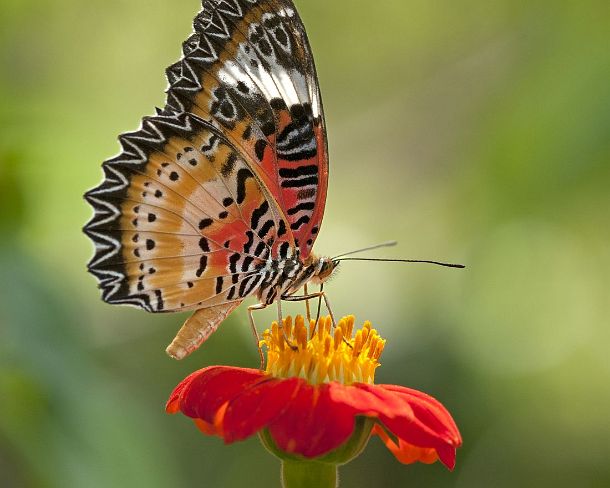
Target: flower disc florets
320	353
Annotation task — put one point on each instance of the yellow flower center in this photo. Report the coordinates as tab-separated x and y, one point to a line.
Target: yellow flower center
322	353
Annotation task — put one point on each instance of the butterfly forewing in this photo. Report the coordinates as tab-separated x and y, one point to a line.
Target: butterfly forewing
253	76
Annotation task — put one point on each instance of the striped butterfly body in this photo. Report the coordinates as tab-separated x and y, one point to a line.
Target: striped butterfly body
220	195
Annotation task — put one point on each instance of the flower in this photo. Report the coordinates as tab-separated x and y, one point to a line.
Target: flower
317	395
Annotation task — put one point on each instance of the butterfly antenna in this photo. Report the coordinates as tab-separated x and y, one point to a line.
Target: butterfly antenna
438	263
369	248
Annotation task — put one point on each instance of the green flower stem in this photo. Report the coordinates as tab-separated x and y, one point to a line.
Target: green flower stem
307	474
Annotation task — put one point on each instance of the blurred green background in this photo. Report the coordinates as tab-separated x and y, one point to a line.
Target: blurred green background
473	131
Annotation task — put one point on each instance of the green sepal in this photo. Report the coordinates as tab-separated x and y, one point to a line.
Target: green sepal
343	454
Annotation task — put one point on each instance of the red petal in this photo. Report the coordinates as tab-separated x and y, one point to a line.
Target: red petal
173	404
202	393
404	452
369	400
257	406
432	425
430	413
393	411
447	456
430	410
206	428
313	423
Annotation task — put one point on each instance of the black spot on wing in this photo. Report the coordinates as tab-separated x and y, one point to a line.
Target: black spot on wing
267	226
305	170
205	223
203	264
229	165
246	264
242	176
242	87
301	206
248	245
243	285
303	220
259	249
258	213
281	229
160	303
278	104
284	246
233	262
298	183
259	148
268	129
247	133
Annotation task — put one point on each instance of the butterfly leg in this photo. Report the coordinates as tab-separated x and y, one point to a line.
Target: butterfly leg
251	308
280	322
280	319
321	295
307	304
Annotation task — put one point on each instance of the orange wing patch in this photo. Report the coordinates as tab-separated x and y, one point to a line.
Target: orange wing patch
190	221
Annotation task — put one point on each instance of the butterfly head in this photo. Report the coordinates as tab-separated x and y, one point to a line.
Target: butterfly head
325	268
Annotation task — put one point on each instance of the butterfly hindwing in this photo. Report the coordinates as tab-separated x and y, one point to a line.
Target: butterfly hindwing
181	221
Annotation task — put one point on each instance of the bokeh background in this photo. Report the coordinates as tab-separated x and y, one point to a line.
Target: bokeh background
473	131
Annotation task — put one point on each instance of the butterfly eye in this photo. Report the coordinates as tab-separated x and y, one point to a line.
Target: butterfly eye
327	266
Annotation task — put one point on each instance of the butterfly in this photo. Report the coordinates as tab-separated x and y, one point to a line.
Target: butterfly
220	195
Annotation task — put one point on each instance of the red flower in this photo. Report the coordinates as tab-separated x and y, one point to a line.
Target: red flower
312	418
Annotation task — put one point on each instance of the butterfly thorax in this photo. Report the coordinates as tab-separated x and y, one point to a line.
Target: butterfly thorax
285	277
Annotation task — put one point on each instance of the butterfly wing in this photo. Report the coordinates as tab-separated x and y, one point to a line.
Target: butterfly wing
181	222
248	70
232	172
